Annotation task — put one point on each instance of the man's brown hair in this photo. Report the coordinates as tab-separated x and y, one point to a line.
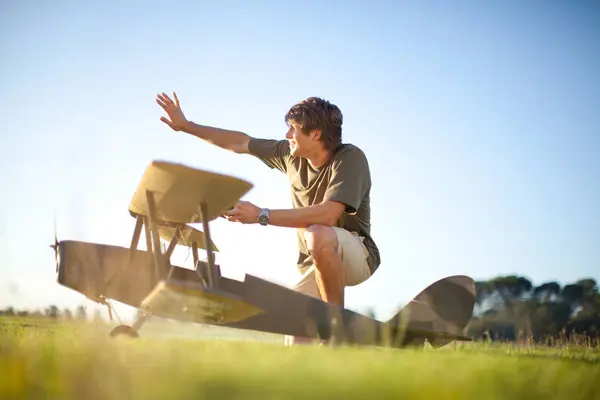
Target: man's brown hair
317	113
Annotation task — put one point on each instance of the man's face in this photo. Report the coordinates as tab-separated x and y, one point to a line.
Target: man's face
301	144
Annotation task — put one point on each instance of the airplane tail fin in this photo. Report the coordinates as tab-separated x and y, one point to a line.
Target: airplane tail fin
440	312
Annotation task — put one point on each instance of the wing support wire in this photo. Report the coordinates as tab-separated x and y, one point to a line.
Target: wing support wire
111	308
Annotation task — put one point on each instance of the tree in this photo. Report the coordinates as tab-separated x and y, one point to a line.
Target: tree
581	296
507	305
67	314
9	312
51	311
80	313
547	292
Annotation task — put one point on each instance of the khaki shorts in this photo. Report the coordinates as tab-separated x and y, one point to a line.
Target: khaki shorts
354	255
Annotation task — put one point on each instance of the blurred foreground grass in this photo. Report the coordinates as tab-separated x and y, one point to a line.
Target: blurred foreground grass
48	359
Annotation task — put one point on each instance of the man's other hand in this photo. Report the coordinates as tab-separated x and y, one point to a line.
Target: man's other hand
244	212
177	120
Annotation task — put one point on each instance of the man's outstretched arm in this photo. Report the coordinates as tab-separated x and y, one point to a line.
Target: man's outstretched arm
227	139
326	213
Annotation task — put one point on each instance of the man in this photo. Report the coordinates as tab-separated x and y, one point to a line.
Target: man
330	188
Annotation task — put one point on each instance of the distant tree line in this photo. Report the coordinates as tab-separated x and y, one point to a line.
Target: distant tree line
52	312
512	307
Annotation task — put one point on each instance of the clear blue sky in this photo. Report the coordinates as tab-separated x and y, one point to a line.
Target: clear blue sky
480	121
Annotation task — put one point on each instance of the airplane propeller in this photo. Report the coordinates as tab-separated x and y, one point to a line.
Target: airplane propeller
55	245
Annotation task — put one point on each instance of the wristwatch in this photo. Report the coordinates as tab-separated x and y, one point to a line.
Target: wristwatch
263	217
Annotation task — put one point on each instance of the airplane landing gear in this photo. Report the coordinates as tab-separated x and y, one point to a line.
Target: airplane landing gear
123	330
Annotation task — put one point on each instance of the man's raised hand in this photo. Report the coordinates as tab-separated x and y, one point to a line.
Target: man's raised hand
177	120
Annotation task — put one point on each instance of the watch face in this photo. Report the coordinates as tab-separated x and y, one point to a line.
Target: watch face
263	217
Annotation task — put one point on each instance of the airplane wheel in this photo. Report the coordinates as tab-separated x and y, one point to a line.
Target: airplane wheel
123	330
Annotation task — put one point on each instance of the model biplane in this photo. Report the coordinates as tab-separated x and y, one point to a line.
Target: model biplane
172	196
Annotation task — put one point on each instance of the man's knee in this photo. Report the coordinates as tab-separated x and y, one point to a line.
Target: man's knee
321	240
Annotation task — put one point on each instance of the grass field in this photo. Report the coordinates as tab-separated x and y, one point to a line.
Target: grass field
53	359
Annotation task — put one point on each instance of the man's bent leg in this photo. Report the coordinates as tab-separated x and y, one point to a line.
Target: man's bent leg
352	255
340	258
322	242
348	265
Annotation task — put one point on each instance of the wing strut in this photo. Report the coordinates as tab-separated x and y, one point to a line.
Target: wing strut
209	251
159	258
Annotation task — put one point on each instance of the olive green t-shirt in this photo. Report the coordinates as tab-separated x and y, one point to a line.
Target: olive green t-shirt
345	178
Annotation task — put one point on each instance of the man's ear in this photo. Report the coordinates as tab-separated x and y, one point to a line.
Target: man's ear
316	134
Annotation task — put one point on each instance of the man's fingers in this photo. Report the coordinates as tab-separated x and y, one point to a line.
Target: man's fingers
234	210
167	99
163	105
231	218
232	213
